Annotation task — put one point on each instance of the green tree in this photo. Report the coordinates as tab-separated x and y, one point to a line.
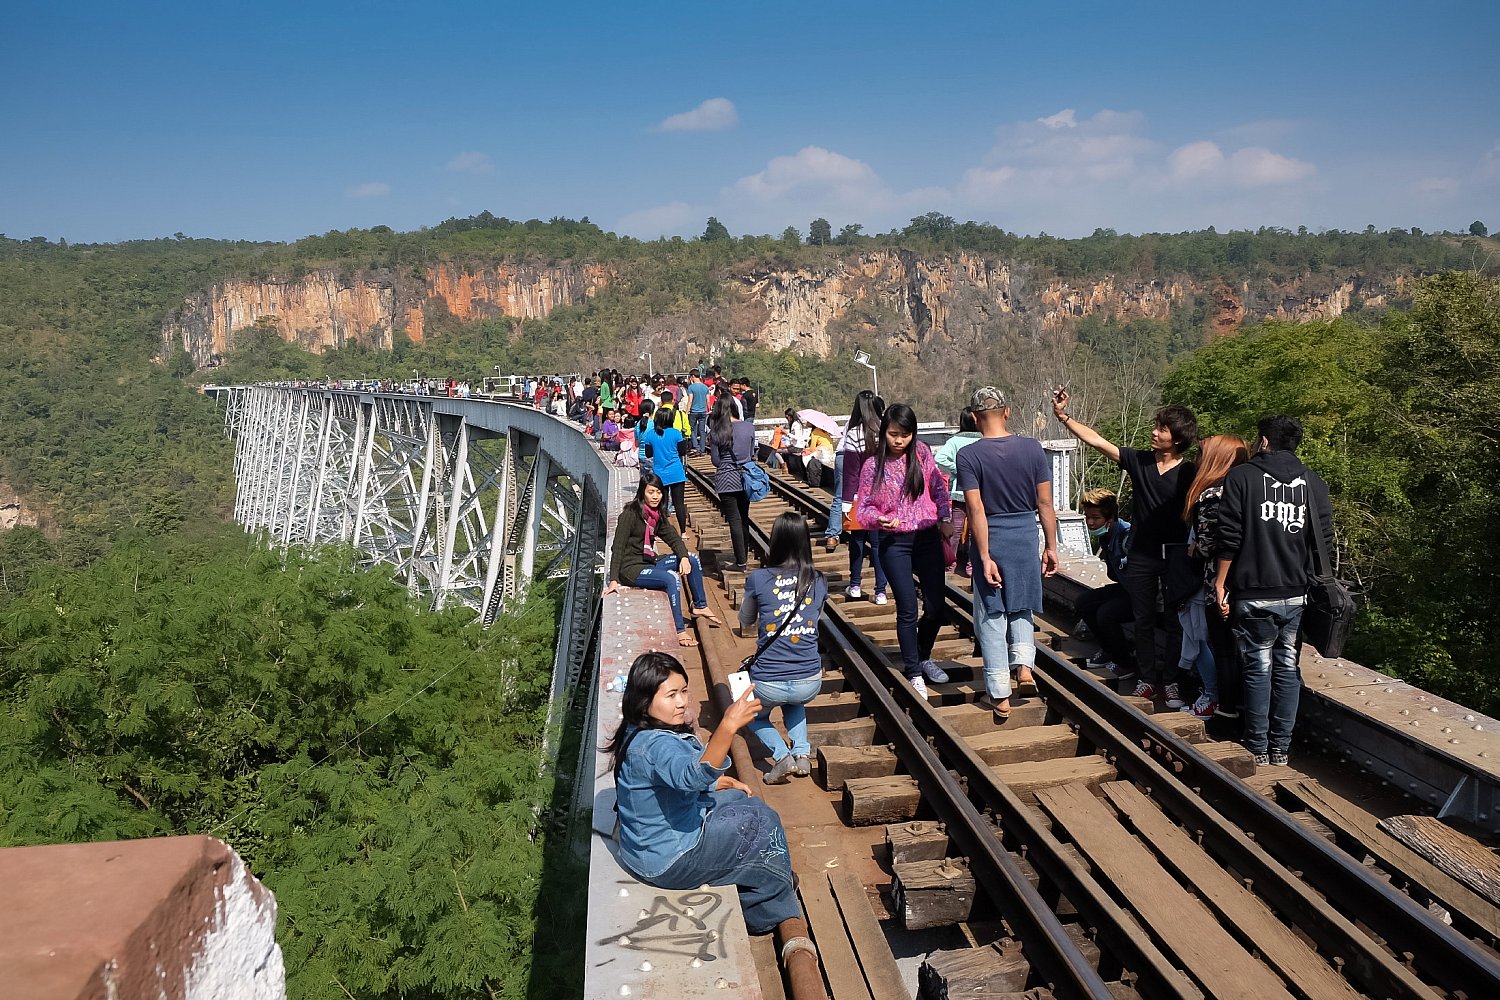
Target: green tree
848	233
819	233
1477	228
715	231
791	238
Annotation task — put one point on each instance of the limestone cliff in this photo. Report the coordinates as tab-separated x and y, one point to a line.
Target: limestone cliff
913	303
323	309
890	298
15	510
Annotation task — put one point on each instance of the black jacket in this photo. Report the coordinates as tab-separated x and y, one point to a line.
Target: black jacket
1264	526
628	554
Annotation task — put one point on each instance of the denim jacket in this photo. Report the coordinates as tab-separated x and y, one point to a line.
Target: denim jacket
662	792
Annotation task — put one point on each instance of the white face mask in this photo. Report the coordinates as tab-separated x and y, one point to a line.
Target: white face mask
1100	531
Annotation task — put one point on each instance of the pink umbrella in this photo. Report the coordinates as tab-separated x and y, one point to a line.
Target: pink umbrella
820	420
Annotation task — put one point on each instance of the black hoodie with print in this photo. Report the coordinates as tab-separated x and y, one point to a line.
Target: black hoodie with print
1264	526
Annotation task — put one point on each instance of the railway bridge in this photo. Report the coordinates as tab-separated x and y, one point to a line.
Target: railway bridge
1091	846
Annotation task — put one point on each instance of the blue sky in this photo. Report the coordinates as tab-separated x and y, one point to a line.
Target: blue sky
275	120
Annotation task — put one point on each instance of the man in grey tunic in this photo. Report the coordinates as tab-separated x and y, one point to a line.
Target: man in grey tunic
1007	484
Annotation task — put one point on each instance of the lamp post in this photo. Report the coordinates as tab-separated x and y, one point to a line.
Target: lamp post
650	364
863	358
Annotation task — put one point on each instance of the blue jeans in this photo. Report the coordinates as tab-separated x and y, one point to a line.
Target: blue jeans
664	576
1265	635
1006	641
859	541
920	554
698	427
791	696
1197	647
743	844
835	526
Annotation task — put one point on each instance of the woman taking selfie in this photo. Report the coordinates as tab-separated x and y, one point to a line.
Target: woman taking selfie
683	821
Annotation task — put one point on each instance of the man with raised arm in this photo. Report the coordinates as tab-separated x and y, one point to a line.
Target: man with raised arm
1159	481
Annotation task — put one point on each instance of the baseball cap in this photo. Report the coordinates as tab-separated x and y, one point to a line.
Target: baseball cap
987	397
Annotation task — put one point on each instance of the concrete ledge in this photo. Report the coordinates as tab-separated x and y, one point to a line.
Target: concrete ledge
643	941
174	917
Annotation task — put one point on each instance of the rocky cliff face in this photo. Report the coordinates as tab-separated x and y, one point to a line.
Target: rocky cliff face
325	309
891	297
916	303
14	510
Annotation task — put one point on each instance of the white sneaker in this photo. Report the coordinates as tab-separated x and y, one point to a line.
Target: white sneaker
1173	697
880	597
853	592
933	672
919	685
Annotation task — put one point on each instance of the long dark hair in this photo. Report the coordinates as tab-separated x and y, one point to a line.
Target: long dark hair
866	414
646	676
721	424
645	423
791	549
647	479
902	416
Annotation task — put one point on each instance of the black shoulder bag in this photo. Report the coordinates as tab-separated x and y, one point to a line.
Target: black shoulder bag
1329	615
796	611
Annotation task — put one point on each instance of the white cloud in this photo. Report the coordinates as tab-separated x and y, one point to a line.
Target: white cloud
1253	166
713	114
676	218
1063	119
471	163
812	168
1056	154
369	189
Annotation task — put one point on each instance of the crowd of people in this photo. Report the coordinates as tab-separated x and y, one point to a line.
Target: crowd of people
1208	581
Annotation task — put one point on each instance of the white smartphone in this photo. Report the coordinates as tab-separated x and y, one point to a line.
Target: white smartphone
739	683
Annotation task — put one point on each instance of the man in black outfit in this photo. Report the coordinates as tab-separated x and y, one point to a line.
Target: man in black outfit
1159	481
1266	517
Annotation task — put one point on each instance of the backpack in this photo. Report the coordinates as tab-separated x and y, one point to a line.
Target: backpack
757	481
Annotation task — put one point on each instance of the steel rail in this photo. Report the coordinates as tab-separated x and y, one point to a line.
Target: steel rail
1205	797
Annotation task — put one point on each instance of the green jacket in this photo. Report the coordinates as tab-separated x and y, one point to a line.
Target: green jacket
627	556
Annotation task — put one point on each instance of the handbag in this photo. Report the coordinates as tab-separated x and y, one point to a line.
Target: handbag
1328	617
797	600
757	481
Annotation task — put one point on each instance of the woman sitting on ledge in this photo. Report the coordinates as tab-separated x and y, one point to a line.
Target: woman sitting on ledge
633	561
683	821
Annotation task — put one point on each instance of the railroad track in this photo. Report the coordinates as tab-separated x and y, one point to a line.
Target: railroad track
1115	848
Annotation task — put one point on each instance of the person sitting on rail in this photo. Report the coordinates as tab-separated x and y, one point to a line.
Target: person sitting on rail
664	445
855	446
609	432
1106	610
1159	481
946	457
683	821
902	493
1007	481
731	443
633	561
787	669
1206	643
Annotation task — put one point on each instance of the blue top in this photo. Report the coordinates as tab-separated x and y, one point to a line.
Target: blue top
766	600
699	392
665	461
662	792
1005	470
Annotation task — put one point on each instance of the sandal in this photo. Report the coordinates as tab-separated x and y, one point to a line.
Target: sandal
1024	676
1001	708
685	640
705	615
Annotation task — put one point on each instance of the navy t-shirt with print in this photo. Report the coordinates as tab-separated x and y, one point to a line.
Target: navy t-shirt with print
794	654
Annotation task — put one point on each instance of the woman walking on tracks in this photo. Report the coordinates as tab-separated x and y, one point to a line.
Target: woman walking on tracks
683	821
731	443
903	494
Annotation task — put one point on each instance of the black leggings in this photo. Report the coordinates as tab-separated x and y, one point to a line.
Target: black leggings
678	492
735	505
